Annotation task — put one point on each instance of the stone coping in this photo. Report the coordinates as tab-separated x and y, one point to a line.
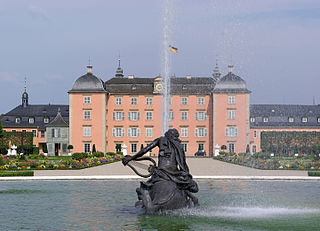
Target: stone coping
130	177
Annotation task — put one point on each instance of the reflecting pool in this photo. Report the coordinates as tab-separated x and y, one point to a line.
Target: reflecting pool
109	205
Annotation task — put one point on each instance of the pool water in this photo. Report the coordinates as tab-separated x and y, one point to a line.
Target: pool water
109	205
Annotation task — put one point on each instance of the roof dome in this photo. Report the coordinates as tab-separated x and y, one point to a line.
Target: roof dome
231	83
88	82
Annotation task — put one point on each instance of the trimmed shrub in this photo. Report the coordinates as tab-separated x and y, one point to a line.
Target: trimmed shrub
98	154
45	148
35	150
94	148
79	155
111	154
4	149
313	173
16	173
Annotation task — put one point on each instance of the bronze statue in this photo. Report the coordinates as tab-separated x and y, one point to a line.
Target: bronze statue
171	185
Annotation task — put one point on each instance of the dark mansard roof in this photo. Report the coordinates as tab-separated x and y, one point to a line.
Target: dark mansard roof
38	112
231	83
278	115
88	83
179	85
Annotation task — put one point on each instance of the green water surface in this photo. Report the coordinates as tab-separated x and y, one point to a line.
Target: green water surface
109	205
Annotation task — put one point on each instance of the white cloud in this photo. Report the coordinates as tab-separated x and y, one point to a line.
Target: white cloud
7	77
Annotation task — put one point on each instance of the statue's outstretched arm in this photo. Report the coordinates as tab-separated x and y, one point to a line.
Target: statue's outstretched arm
150	146
146	149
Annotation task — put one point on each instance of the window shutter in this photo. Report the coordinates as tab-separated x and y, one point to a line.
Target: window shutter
122	115
197	116
122	132
236	131
138	132
205	116
114	115
129	132
138	115
196	132
113	132
205	132
129	115
227	131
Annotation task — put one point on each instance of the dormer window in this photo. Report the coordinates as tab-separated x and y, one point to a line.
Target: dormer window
252	119
304	119
46	120
265	119
291	119
31	120
318	119
18	120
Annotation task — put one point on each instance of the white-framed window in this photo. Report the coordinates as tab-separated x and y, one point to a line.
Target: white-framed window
201	115
201	132
255	134
42	134
184	131
133	115
87	131
118	101
231	114
184	100
231	147
185	147
34	133
56	133
86	147
254	148
304	119
133	132
184	115
87	114
149	115
200	101
118	115
18	120
118	132
201	146
171	115
265	119
252	119
133	100
231	131
318	119
87	99
149	101
133	147
149	132
31	120
231	99
45	120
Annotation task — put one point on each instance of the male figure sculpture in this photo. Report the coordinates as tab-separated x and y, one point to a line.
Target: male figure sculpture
171	185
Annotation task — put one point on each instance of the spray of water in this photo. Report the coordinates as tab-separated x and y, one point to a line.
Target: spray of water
167	24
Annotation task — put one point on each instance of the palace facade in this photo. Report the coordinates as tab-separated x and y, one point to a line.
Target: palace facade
209	113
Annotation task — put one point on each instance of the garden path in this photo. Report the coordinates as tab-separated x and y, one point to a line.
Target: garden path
198	167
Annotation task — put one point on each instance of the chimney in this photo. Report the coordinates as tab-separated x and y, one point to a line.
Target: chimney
188	76
130	76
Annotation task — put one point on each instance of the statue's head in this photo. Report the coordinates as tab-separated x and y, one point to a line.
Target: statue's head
172	133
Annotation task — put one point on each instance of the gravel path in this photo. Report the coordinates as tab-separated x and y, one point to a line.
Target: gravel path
198	167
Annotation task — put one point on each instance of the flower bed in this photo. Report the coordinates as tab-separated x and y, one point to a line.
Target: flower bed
47	163
266	162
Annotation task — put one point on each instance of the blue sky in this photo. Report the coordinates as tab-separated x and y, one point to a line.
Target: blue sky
273	44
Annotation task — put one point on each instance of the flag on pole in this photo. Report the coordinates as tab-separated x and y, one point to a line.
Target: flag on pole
173	49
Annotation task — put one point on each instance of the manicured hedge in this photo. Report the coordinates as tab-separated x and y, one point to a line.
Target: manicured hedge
79	155
313	173
16	173
98	154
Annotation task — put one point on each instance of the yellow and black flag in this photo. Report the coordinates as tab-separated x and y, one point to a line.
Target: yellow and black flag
173	49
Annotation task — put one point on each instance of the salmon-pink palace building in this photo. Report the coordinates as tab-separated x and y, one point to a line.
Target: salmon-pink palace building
209	113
